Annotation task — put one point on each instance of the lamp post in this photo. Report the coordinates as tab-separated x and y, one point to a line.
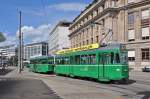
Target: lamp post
20	48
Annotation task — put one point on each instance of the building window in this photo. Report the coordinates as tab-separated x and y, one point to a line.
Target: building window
131	1
145	14
113	3
106	4
103	7
87	42
91	15
92	41
103	22
97	39
145	33
97	28
131	35
131	18
145	54
97	12
131	55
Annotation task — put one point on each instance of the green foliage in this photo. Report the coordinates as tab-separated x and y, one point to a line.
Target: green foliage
2	37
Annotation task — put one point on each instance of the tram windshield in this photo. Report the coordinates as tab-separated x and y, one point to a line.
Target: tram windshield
124	58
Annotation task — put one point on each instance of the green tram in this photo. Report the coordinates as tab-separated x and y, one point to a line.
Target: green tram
107	63
42	64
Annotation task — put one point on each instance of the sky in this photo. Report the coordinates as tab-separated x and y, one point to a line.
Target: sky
38	17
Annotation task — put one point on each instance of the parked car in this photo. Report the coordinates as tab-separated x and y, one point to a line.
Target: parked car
146	69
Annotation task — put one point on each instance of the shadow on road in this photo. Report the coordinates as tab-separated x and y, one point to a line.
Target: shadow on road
145	93
5	71
126	82
16	88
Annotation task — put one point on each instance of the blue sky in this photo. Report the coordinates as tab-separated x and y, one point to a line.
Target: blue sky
39	17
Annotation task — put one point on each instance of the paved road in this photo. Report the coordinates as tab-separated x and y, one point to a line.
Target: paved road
70	88
14	88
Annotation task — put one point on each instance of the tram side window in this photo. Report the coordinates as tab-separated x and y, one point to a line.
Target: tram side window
112	58
42	62
88	59
117	58
83	59
33	61
62	61
92	59
106	58
58	61
66	60
77	59
51	61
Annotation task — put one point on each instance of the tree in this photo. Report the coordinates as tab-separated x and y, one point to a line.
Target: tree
2	37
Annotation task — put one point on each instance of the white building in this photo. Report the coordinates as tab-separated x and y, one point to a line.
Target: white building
8	51
35	50
58	37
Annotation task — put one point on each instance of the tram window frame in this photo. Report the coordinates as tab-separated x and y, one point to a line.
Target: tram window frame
58	61
43	61
51	61
119	61
78	62
34	62
66	62
83	59
62	61
72	61
107	59
112	57
92	60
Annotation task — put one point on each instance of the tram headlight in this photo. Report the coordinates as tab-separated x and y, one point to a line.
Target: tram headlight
117	69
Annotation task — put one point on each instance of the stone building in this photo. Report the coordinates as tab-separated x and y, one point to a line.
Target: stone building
124	21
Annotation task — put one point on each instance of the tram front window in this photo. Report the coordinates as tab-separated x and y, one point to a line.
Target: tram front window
124	58
117	58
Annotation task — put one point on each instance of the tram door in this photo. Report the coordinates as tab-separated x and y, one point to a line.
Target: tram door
71	64
105	59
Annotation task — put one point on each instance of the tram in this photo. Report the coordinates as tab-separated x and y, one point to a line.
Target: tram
108	63
42	64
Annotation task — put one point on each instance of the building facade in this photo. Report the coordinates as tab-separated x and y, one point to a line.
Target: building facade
7	55
124	21
8	51
35	50
58	37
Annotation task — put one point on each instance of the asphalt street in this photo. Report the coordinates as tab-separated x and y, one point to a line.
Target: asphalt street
30	85
24	88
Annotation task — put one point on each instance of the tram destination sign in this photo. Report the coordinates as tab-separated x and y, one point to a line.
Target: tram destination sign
83	48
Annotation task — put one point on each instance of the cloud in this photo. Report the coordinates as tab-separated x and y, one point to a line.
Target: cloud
69	6
31	35
36	34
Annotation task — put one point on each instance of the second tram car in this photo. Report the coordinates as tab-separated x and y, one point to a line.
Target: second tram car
42	64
